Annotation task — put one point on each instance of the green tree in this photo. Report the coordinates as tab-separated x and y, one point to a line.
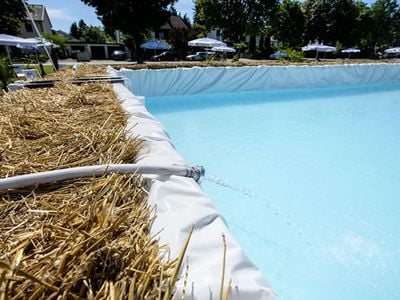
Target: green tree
81	26
290	24
316	19
228	15
93	34
261	15
238	18
179	38
385	17
186	20
362	29
132	17
333	21
57	39
344	19
12	14
6	73
74	31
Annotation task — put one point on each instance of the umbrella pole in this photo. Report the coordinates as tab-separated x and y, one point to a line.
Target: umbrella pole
8	54
40	36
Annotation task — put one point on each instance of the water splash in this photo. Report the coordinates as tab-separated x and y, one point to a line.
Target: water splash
250	193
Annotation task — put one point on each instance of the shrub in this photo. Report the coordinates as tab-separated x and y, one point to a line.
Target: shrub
6	73
294	55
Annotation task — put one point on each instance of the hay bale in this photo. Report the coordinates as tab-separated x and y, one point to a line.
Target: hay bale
85	238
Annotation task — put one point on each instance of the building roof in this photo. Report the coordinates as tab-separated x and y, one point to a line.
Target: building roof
174	22
177	22
37	12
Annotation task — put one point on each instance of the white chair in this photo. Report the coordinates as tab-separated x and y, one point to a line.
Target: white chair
29	74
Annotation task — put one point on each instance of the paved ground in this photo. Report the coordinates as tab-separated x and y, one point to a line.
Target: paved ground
70	62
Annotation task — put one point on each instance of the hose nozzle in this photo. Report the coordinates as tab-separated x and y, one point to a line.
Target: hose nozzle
196	172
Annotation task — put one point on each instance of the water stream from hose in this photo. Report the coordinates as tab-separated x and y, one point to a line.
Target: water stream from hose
251	194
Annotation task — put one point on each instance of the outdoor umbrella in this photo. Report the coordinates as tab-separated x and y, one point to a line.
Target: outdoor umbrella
223	49
350	51
206	42
279	54
154	45
10	40
27	46
42	42
318	48
393	50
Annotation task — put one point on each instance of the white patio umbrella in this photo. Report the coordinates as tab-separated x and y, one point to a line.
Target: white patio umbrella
39	43
318	48
393	50
206	42
351	50
10	40
223	49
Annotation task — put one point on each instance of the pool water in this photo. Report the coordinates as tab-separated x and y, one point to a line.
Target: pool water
313	180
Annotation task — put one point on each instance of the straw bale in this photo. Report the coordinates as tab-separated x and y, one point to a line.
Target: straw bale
65	126
85	238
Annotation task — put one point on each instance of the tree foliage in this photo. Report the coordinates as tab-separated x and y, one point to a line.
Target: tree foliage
385	19
235	17
290	24
57	39
74	31
77	30
333	21
11	15
132	17
94	34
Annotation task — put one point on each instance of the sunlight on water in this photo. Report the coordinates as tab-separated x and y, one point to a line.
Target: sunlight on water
252	195
308	182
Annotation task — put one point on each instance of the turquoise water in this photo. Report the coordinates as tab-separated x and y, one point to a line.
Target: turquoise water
315	177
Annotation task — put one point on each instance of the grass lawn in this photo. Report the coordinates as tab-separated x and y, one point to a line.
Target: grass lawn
47	68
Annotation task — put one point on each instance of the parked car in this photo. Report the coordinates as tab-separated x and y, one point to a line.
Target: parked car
199	56
167	55
390	55
74	53
118	55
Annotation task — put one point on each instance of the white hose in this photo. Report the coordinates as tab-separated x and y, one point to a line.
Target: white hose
71	173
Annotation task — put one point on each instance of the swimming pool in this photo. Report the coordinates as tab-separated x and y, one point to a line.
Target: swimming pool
313	181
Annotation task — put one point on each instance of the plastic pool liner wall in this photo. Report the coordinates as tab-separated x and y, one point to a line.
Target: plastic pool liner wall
190	81
180	203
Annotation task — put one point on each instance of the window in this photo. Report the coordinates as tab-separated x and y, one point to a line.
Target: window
218	32
28	27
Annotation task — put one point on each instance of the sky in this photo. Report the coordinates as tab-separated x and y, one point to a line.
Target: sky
63	12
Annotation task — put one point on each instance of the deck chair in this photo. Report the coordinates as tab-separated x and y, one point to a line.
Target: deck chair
28	74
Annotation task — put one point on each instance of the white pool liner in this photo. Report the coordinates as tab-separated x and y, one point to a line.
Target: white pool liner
180	202
190	81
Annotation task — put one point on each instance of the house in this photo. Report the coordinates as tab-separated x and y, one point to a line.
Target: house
174	23
94	50
42	21
217	34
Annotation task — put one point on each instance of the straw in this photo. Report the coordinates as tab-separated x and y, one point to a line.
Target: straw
85	238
